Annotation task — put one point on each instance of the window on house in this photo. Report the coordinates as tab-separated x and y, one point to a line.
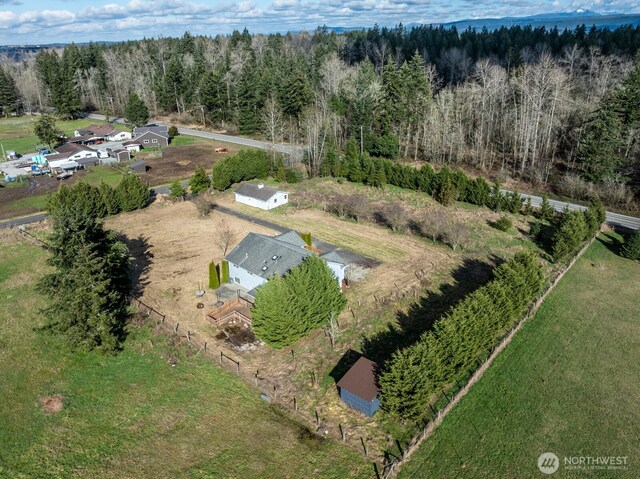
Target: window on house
237	280
285	197
275	200
146	141
154	141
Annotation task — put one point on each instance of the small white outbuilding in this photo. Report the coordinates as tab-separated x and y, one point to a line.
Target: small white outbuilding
260	196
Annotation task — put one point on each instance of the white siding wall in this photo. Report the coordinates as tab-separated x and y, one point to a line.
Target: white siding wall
84	154
123	135
276	200
338	270
244	278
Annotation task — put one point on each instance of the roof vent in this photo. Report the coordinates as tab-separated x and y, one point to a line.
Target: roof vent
274	257
264	268
260	185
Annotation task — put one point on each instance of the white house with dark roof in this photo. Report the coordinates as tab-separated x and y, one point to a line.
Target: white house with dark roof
258	257
261	196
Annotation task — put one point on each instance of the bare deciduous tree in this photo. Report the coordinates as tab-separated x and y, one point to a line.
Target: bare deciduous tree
225	236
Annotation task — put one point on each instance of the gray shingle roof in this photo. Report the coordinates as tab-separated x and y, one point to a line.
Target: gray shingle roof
333	257
254	191
257	251
292	238
157	129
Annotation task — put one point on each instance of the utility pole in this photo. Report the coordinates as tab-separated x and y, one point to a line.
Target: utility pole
361	143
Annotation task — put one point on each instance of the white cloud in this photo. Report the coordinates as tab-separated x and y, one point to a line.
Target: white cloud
137	18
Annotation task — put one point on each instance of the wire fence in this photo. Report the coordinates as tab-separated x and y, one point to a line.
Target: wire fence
270	390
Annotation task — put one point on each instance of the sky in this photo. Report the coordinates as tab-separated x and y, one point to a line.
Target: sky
64	21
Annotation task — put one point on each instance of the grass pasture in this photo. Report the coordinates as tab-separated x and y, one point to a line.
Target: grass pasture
568	384
134	414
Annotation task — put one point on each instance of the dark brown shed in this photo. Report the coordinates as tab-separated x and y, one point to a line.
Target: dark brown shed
359	389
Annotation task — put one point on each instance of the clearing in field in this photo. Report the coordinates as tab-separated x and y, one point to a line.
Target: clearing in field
152	411
568	384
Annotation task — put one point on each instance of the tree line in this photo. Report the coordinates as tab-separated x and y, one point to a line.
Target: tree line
522	101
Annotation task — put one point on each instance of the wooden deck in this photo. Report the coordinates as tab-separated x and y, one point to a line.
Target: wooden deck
238	309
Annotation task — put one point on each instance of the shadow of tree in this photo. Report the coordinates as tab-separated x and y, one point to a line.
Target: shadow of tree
421	316
347	360
141	261
611	242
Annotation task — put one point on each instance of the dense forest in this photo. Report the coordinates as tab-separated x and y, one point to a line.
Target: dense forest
550	107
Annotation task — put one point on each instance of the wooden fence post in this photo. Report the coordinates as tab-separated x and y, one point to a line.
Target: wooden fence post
175	329
364	447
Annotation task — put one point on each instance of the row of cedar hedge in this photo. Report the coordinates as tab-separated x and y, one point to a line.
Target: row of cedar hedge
448	352
444	185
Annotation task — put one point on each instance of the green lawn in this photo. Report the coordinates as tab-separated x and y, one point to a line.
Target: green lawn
182	140
17	133
568	383
133	414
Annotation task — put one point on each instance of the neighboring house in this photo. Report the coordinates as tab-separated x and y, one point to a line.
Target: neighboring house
70	152
261	196
117	135
258	257
98	133
359	388
150	139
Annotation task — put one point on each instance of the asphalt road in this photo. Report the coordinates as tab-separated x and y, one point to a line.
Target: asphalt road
263	145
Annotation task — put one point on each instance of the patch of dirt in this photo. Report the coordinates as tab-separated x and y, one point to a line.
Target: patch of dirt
51	404
180	161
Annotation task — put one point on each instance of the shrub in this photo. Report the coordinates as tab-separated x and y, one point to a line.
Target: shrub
214	279
546	210
173	131
203	205
570	233
176	190
504	223
244	165
133	193
199	182
534	230
225	271
288	307
631	247
456	235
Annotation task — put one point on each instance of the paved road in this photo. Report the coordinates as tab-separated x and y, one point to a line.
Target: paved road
615	219
263	145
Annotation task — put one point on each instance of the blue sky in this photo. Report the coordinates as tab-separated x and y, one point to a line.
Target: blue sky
46	21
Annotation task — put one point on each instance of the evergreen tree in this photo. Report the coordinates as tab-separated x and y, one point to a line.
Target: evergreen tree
570	233
8	93
631	247
45	129
136	112
133	193
288	307
546	210
214	279
600	148
199	182
110	198
594	216
176	190
89	286
224	273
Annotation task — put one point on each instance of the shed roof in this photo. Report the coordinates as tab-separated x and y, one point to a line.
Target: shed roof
137	164
258	192
333	257
361	379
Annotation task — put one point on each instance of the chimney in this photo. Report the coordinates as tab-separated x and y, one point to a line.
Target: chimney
260	185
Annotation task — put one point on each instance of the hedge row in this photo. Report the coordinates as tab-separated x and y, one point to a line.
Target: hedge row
244	165
457	341
99	201
574	227
444	185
